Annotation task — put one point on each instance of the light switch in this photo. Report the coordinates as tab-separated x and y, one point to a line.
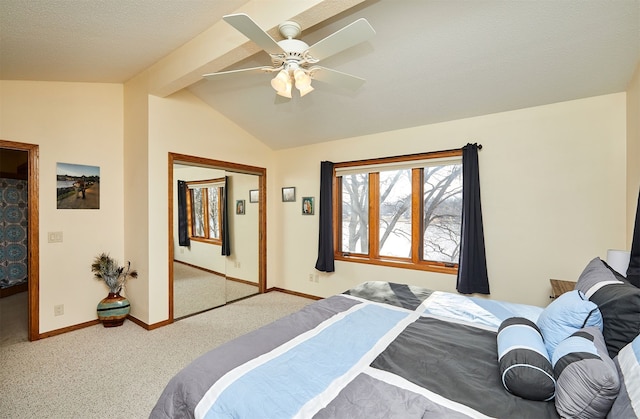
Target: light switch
55	236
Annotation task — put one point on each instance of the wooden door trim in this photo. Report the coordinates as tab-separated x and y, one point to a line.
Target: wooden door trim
33	234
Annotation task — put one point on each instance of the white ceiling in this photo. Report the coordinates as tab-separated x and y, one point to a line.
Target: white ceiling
430	61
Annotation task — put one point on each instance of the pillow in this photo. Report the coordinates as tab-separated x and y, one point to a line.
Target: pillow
587	380
618	301
524	364
566	315
596	275
627	405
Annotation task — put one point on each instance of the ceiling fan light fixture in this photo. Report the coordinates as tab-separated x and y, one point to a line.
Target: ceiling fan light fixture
280	81
286	92
305	90
303	81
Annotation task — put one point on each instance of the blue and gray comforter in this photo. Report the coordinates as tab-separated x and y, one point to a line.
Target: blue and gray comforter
381	350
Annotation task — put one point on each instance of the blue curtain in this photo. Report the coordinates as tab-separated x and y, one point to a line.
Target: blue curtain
325	262
633	271
472	268
183	227
226	239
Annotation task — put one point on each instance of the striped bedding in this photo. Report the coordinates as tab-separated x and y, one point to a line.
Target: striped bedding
380	350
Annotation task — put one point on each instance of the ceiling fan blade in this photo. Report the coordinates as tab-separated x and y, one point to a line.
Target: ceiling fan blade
244	24
223	74
335	77
353	34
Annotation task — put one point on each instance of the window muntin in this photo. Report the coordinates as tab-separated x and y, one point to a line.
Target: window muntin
403	211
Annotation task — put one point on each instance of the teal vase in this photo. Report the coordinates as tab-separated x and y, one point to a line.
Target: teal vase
113	310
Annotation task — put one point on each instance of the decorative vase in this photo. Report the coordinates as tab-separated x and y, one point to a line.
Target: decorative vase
113	310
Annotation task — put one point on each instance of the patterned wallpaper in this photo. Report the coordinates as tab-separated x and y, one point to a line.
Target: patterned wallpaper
13	232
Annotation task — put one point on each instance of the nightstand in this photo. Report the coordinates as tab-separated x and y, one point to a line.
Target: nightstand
560	286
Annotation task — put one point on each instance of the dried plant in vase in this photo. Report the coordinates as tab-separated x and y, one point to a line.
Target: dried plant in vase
112	310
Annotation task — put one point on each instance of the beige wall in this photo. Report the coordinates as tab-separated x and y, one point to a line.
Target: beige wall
553	196
72	123
633	152
136	194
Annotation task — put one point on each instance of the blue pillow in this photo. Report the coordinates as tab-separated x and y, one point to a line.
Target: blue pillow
587	381
627	405
524	364
565	315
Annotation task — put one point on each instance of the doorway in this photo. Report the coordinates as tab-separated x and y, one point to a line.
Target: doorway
20	166
208	176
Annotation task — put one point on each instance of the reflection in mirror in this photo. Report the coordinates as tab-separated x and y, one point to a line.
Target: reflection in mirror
202	277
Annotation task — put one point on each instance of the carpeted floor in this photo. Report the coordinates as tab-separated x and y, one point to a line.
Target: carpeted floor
120	372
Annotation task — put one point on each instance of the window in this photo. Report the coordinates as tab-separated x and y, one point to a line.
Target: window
402	211
205	210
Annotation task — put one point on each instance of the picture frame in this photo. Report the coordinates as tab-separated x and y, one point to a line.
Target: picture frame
254	195
308	205
289	194
77	186
240	207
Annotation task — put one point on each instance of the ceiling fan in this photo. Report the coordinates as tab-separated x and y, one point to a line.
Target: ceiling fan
294	60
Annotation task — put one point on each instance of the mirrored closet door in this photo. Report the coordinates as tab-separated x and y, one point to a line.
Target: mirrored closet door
221	209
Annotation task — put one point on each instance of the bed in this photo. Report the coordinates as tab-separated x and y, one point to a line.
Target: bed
386	350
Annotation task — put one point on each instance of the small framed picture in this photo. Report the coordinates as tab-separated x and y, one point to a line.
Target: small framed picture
307	205
289	194
240	207
254	195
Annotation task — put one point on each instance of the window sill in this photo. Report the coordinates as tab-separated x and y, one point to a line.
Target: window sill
424	266
208	241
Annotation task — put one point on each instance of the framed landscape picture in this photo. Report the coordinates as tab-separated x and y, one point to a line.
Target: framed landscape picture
77	186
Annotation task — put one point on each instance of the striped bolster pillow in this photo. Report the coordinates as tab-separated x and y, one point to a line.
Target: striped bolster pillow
523	360
587	379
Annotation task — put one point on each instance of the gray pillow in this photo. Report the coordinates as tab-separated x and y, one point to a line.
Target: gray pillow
618	301
587	381
594	276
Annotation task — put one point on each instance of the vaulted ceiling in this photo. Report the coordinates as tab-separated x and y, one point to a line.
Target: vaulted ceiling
430	61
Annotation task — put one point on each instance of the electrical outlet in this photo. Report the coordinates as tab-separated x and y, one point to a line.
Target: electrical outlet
316	278
58	310
239	265
310	277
